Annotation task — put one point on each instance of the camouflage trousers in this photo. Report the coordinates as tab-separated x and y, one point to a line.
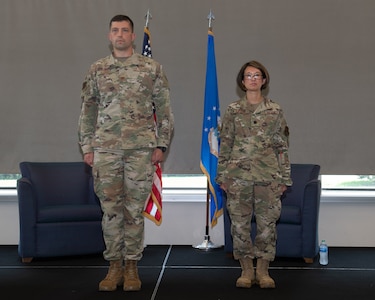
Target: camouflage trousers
245	199
122	182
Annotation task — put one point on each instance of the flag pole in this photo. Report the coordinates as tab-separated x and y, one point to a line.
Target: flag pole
207	244
153	206
148	17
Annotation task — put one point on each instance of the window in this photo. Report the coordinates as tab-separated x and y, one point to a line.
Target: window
9	180
329	182
195	182
348	182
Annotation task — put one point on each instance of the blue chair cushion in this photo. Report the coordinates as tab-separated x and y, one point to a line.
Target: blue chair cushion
69	213
290	214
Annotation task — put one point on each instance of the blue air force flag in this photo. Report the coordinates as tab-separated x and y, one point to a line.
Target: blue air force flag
210	135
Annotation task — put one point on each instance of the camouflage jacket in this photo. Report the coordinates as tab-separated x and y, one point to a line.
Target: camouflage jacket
254	145
117	105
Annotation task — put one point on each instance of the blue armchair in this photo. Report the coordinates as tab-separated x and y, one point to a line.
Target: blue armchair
297	228
59	213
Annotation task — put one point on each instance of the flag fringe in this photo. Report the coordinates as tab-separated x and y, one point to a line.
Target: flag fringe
218	212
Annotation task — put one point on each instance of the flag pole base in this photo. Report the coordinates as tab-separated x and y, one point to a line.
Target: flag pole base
207	244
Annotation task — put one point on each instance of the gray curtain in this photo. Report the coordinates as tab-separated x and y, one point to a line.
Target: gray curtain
320	55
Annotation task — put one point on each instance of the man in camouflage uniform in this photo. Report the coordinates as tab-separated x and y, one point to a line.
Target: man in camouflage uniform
254	171
119	139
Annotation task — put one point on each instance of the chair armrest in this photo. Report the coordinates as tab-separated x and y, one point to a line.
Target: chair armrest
93	198
27	217
310	218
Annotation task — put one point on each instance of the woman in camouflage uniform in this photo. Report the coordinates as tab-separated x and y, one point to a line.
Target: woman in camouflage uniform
254	171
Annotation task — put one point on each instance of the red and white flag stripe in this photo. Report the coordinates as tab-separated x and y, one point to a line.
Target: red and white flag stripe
153	206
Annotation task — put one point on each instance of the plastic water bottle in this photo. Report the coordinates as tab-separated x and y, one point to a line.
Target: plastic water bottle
323	253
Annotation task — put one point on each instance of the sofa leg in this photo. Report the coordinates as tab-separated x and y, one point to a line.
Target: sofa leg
308	260
27	259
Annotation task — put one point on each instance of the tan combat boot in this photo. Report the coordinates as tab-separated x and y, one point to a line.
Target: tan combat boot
114	277
131	279
247	276
262	277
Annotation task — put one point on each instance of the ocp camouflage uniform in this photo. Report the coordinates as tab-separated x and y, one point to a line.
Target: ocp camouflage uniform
253	164
117	124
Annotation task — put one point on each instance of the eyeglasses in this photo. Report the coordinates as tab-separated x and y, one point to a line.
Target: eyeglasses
255	76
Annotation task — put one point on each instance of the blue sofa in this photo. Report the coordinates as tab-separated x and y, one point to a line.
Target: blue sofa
59	213
297	228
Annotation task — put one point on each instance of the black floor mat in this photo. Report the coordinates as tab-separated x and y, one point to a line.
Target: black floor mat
183	272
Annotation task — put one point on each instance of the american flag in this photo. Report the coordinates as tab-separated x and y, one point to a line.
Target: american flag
147	43
153	208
